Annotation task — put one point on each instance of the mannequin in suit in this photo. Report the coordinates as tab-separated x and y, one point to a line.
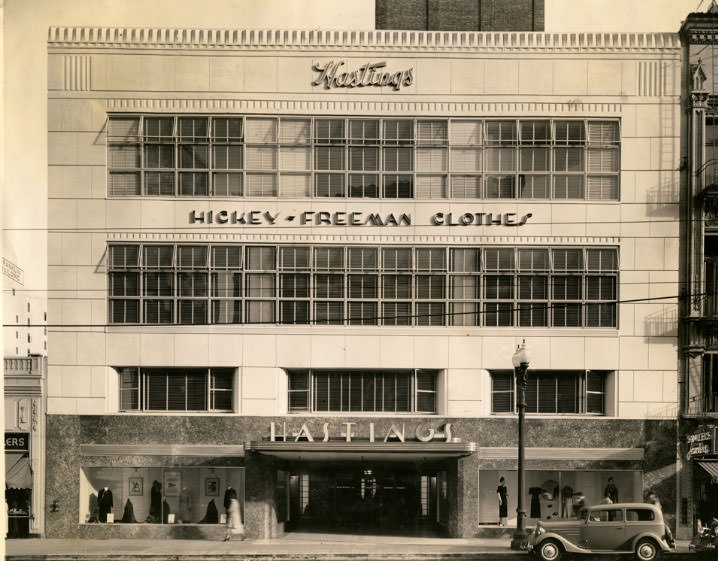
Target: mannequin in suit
104	502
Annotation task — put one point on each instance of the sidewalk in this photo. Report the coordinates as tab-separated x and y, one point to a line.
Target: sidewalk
294	546
298	546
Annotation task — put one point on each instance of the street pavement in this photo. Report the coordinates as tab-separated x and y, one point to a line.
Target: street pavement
293	546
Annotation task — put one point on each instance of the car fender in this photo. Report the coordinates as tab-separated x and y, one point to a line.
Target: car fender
658	539
567	545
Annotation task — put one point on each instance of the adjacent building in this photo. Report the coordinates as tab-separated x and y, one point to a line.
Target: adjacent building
296	264
699	255
25	409
24	376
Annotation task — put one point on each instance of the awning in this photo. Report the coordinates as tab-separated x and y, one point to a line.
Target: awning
18	473
203	450
711	467
333	450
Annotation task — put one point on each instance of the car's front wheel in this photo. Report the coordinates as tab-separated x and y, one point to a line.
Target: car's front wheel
647	550
550	550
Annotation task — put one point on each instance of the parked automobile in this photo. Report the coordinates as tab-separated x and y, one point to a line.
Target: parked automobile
623	528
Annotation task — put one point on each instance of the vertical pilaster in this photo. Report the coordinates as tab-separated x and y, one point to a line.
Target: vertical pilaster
463	497
260	516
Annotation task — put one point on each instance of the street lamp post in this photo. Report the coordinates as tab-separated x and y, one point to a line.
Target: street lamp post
521	360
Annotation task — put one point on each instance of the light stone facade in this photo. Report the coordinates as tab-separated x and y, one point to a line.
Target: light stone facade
632	78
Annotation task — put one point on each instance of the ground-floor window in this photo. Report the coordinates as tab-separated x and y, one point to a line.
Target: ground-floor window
556	494
18	493
158	495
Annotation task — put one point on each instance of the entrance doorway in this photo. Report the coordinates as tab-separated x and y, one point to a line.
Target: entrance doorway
381	498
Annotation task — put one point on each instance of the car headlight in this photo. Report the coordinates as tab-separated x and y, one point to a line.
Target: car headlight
539	529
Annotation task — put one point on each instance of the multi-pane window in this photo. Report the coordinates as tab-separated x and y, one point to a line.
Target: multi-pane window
356	285
387	391
176	389
552	392
299	157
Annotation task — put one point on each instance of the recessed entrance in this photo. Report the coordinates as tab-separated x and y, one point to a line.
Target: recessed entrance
394	498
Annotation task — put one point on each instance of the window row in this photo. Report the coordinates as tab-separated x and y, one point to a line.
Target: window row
337	259
556	392
364	158
496	286
375	391
176	389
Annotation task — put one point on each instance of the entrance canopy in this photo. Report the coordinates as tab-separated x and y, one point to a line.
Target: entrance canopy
711	466
359	450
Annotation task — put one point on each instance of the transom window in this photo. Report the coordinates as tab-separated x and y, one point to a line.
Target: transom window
554	391
176	389
377	158
388	391
346	285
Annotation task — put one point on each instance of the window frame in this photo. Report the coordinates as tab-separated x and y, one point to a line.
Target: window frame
142	389
372	385
413	158
580	380
493	286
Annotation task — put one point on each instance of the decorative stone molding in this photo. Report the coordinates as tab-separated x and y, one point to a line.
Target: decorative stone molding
341	237
294	106
164	38
652	77
77	72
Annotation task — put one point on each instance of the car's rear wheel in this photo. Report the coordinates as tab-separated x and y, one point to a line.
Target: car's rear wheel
647	550
550	550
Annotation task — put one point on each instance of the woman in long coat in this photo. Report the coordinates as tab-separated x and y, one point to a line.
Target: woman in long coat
234	520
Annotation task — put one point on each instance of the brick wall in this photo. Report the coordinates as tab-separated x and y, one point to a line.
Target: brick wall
461	15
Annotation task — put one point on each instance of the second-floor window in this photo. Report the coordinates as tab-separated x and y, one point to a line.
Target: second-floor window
356	391
176	389
499	286
552	392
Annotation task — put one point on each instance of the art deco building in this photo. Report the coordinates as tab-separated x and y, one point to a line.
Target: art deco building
298	263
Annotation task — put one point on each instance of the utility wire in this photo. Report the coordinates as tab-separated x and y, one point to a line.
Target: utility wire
346	320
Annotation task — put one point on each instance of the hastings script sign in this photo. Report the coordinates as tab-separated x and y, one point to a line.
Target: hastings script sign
332	75
341	218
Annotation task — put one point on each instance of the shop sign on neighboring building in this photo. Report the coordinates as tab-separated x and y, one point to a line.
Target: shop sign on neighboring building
12	271
17	442
701	442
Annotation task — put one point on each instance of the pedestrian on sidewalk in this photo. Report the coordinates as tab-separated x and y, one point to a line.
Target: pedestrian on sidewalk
234	516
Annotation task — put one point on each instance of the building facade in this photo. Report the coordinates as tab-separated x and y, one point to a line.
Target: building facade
24	375
699	348
25	409
296	264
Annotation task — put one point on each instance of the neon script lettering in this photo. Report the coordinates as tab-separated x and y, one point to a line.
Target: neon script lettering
369	74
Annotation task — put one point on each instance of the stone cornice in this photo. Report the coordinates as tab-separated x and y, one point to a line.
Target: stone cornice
405	107
268	39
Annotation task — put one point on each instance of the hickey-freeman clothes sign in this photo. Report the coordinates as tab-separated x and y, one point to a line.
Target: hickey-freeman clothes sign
369	74
397	432
342	218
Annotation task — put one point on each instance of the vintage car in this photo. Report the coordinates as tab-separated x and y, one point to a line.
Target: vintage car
622	528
